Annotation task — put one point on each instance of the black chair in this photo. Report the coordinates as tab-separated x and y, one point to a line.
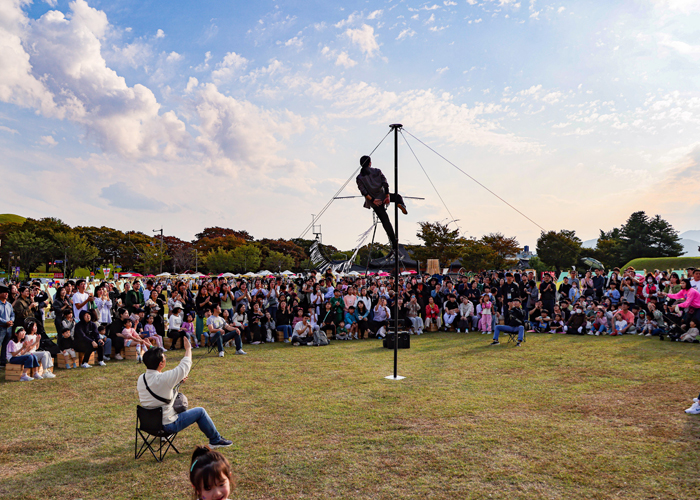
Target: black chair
149	425
513	336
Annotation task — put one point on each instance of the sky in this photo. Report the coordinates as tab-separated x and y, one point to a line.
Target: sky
251	115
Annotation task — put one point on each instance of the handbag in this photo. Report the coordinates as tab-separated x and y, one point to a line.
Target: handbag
179	402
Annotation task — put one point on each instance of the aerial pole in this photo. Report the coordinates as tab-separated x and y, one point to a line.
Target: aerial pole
396	128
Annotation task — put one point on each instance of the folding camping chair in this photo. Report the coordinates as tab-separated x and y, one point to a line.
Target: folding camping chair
513	336
149	425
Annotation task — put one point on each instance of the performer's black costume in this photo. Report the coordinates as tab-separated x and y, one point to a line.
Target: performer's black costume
373	184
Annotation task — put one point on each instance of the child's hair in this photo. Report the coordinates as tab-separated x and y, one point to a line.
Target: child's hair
15	334
101	328
190	318
127	321
207	468
150	318
693	323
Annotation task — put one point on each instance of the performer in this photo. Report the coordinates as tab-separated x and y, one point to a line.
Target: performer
374	187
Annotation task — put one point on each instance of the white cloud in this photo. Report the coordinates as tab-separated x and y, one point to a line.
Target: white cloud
435	29
364	38
440	71
679	46
407	33
191	84
684	6
174	57
48	140
236	135
205	65
561	9
355	16
449	3
294	42
375	14
227	68
160	34
66	52
8	130
344	60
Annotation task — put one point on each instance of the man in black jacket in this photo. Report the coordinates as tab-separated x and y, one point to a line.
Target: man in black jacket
374	187
515	323
510	291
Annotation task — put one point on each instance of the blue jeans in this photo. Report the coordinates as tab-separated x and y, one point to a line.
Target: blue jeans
108	346
5	335
287	329
189	417
509	329
28	360
230	335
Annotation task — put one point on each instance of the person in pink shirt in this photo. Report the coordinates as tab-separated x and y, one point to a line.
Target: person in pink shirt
133	338
691	301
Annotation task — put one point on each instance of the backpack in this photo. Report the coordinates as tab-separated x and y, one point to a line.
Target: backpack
322	338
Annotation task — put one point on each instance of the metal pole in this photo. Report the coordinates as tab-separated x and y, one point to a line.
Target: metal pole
161	249
196	269
396	127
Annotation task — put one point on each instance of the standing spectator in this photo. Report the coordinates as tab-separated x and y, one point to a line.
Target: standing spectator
81	299
548	293
7	321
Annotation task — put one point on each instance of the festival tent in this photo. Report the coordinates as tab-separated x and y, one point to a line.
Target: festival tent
163	275
130	275
227	275
287	273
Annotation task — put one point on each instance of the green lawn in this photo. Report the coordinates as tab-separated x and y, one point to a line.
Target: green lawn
561	417
664	263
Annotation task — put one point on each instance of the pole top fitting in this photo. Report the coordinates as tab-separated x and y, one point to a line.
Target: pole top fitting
396	125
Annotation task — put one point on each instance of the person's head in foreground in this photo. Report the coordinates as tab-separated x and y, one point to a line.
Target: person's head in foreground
210	474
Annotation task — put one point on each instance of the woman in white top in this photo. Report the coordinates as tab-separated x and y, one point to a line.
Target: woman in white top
104	306
363	297
44	357
18	354
175	329
317	298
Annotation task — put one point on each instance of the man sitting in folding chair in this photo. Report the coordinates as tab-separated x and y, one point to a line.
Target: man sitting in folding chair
515	324
156	391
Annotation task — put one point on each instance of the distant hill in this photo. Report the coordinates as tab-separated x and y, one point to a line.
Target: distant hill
664	263
4	218
690	241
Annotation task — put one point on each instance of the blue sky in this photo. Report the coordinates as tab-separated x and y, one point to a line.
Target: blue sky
252	114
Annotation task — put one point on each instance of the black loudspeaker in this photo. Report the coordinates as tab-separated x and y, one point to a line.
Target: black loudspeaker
404	341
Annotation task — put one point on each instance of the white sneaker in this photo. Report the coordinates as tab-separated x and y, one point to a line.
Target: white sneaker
641	333
165	350
255	343
241	351
85	365
694	409
118	357
590	333
38	377
648	335
102	363
48	374
597	334
25	378
221	354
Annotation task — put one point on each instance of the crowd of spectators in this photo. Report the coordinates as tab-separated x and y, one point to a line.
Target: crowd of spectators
311	310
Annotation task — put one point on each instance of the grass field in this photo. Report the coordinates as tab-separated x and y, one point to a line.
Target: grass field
4	218
561	417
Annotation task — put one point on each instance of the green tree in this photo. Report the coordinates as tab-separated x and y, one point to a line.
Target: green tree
538	265
220	260
247	258
77	250
29	248
278	262
505	249
439	242
642	236
150	256
477	256
559	249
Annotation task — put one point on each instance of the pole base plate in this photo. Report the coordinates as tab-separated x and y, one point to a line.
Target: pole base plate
391	377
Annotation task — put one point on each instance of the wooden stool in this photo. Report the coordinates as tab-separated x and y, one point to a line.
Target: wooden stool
433	327
14	372
167	342
280	336
91	361
61	361
130	353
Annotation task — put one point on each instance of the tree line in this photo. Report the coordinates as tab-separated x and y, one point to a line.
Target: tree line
55	246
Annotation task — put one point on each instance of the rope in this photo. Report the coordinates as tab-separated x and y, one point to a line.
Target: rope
472	178
308	228
430	180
